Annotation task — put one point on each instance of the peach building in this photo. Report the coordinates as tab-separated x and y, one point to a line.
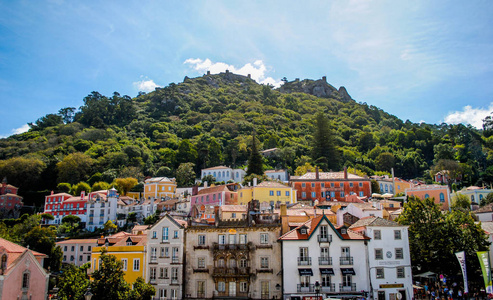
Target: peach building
22	274
440	193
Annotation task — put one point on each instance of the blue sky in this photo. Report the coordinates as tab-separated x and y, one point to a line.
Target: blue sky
420	60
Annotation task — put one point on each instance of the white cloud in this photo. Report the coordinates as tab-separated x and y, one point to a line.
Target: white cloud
469	115
146	85
22	129
257	69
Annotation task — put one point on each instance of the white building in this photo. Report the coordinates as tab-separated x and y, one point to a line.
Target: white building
318	256
389	258
281	175
77	251
222	173
101	207
165	252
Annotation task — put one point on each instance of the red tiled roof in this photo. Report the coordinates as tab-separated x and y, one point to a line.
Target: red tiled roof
330	176
78	241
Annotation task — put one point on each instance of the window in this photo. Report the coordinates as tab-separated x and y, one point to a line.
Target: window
81	248
380	273
427	196
322	184
323	232
264	238
278	193
400	272
243	239
324	253
314	195
201	262
25	280
232	239
377	234
174	274
72	248
342	194
201	239
221	286
397	234
243	263
136	264
287	193
222	239
303	195
165	272
162	293
162	252
399	253
166	252
233	215
350	184
243	286
80	258
360	184
378	254
161	272
341	184
345	252
264	262
305	281
271	193
303	184
442	197
220	263
152	274
175	234
175	254
361	194
347	280
165	234
65	248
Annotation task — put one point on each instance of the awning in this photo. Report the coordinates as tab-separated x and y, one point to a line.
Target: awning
348	271
305	272
326	271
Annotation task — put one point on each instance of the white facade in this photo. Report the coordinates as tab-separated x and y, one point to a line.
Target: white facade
100	210
222	173
317	254
281	175
389	258
165	252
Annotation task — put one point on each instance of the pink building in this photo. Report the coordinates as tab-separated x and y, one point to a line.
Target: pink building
9	200
23	276
217	195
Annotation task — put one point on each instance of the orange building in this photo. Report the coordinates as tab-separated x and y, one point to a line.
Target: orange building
330	186
440	193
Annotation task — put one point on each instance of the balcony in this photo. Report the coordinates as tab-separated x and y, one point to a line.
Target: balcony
347	260
325	261
230	272
304	261
265	271
201	247
217	246
326	238
347	288
201	270
305	288
329	289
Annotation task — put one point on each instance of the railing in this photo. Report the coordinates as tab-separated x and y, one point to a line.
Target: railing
325	261
304	261
201	270
221	271
346	260
306	288
175	260
153	260
347	288
329	289
217	246
325	238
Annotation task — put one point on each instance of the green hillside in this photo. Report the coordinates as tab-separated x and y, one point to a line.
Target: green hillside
210	120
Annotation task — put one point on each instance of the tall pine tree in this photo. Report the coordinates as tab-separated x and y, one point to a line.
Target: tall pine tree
255	163
324	150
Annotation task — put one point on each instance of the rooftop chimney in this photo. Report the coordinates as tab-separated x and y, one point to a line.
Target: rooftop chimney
324	78
345	172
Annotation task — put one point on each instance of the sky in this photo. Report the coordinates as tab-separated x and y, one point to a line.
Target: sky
423	61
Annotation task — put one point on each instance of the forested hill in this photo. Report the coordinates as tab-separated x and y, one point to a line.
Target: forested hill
210	120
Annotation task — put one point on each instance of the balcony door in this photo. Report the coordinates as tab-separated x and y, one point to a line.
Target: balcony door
232	288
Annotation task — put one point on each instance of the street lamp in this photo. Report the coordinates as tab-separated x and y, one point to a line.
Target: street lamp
88	295
317	289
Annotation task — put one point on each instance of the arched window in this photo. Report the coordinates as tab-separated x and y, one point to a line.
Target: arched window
25	280
472	198
442	197
381	187
427	196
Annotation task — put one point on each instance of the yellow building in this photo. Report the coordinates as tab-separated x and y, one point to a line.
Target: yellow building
401	186
159	187
129	248
271	192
